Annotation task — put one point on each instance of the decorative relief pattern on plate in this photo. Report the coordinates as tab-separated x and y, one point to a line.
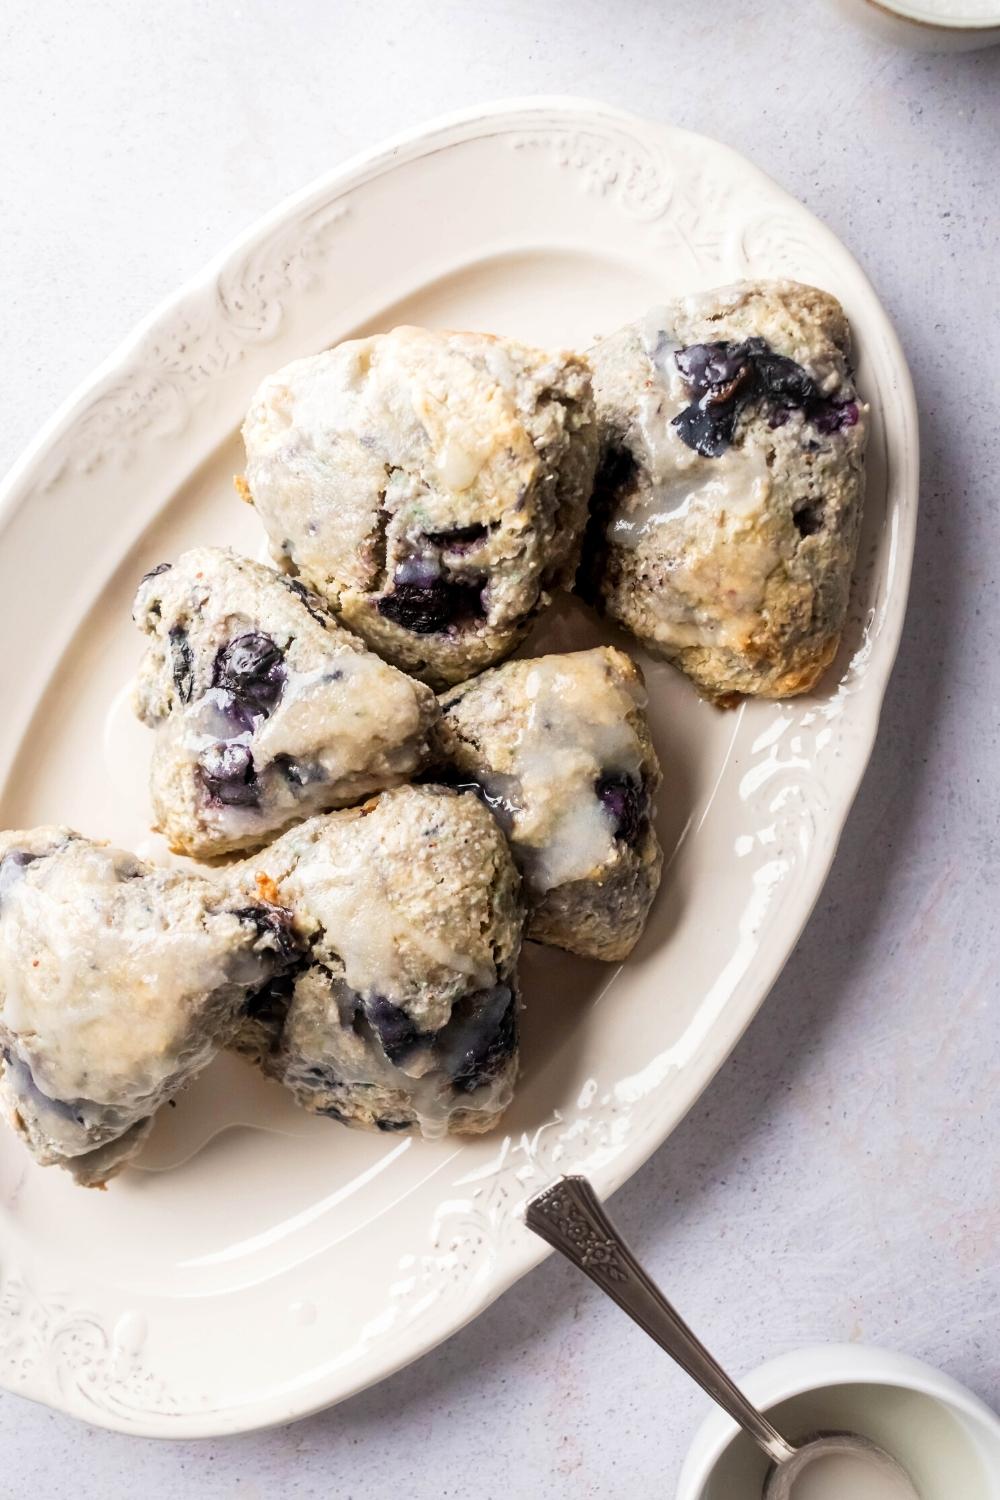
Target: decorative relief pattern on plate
684	208
50	1349
250	292
776	241
666	186
193	345
611	164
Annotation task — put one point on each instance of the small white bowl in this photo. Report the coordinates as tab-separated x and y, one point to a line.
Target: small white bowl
946	1438
920	24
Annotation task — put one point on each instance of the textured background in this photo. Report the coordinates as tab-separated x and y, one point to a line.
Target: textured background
840	1179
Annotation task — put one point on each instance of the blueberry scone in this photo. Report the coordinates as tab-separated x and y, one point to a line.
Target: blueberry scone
432	487
729	493
405	1012
559	748
266	710
118	983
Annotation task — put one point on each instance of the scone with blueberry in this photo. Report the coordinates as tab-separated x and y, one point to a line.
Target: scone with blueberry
118	983
405	1013
729	493
266	710
432	487
559	748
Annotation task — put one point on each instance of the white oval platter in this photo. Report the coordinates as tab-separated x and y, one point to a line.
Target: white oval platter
259	1264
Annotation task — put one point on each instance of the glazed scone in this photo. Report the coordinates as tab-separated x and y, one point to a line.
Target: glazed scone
266	711
729	494
432	487
406	1012
118	983
559	748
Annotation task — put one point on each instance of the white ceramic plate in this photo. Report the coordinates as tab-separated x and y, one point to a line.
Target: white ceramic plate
259	1264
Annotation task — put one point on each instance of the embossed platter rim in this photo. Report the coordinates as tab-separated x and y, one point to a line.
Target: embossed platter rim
553	219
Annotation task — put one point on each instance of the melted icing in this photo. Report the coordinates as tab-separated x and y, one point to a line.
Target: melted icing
347	891
341	716
575	730
99	980
704	515
349	726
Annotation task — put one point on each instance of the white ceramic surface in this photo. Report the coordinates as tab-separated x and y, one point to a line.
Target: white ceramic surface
943	1435
261	1264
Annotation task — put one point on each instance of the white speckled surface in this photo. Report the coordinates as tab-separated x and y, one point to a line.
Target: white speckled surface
840	1178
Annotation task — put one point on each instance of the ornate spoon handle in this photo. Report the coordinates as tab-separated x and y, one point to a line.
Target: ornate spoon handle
570	1217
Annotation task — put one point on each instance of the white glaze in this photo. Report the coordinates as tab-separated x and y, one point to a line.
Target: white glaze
229	1238
100	979
362	923
349	722
330	423
576	730
347	716
713	511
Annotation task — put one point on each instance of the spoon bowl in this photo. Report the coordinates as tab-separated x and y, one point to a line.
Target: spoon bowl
848	1460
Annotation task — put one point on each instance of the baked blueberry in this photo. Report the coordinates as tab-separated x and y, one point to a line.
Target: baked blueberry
181	666
272	927
251	667
12	867
396	1032
559	749
227	774
726	378
458	538
480	1038
728	503
626	801
432	487
427	608
278	713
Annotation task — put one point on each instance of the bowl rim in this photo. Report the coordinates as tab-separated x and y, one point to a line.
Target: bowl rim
817	1367
906	10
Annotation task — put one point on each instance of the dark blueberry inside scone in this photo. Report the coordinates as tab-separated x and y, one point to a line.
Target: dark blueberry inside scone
559	750
626	800
725	379
728	499
251	669
432	487
12	867
433	607
118	983
404	1012
266	710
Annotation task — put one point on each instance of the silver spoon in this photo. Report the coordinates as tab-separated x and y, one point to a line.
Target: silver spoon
569	1216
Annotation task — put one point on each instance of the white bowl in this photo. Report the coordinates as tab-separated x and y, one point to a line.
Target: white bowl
920	24
943	1435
